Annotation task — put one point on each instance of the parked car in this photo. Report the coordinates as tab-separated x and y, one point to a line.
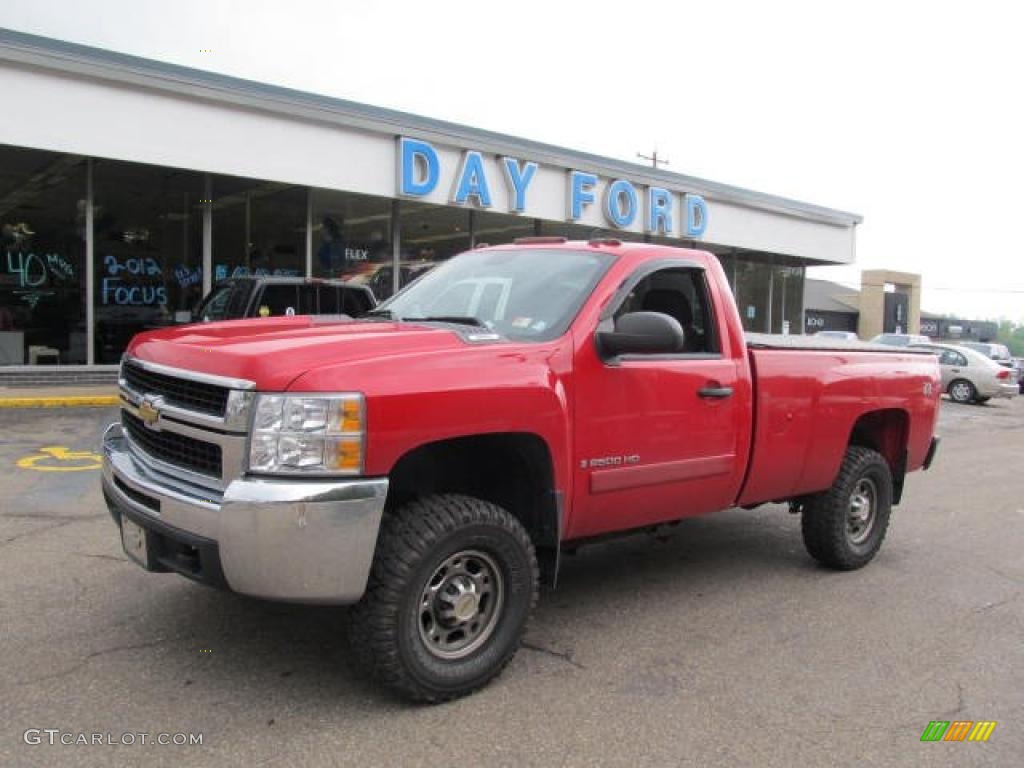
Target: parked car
968	376
429	462
241	297
900	339
846	335
998	352
1018	364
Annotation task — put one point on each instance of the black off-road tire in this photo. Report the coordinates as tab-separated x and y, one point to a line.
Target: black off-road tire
828	522
415	540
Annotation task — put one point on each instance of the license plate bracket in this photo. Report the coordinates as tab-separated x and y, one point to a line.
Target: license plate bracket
136	542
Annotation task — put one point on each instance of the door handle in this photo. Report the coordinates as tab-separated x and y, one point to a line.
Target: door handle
956	370
716	393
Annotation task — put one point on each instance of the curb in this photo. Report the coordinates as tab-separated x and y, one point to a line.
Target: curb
69	401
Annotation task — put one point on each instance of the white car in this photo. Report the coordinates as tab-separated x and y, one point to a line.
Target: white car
997	352
900	339
847	335
968	376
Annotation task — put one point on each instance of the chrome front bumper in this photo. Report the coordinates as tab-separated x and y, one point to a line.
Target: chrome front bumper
293	540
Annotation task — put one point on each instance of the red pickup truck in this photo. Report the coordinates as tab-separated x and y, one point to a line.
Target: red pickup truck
430	461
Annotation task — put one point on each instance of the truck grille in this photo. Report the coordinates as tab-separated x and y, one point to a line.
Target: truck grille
172	448
193	395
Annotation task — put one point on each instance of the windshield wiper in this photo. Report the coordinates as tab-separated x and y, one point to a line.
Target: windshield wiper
378	313
457	319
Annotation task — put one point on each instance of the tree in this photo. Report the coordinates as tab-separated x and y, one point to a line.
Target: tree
1012	335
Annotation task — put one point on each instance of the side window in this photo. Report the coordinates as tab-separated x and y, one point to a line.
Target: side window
959	359
237	301
307	300
355	302
680	293
329	300
278	299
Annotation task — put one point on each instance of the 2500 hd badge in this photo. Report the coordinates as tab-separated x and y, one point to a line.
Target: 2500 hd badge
610	461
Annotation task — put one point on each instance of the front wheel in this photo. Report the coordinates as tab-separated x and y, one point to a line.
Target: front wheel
453	582
844	526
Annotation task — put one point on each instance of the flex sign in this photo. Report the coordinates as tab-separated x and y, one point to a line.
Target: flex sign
622	203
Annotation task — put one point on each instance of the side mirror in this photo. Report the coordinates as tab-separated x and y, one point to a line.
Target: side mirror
642	333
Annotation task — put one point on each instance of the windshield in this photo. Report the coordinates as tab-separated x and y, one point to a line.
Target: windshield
225	302
523	294
995	351
891	338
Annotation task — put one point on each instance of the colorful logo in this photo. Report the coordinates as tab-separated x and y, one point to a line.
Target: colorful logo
958	730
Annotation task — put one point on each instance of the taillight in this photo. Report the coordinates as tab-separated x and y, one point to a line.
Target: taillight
1003	374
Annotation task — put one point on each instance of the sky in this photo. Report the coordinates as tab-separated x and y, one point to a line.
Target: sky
908	113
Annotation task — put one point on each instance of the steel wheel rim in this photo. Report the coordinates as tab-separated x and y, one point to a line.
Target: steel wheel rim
460	604
860	520
961	392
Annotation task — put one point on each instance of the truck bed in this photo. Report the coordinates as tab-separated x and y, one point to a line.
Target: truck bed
810	394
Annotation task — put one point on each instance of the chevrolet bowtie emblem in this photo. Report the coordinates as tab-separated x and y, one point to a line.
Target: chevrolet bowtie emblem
149	410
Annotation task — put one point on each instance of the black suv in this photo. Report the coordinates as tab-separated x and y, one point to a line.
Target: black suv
240	297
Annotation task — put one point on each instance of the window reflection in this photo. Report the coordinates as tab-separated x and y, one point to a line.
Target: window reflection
259	228
148	250
429	234
42	257
352	239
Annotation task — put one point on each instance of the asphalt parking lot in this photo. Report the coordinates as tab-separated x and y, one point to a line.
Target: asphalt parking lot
724	645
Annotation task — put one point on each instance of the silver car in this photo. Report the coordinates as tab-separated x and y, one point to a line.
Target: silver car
900	339
845	335
968	376
997	352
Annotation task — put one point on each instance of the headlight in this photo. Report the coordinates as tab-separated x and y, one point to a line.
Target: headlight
308	434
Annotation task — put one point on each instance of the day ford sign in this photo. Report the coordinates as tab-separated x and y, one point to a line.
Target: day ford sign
664	211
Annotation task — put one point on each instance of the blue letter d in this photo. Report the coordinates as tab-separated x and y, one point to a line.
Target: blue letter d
418	167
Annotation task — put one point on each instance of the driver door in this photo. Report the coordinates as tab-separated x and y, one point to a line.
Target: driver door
656	435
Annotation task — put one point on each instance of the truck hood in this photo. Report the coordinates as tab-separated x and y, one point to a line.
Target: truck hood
274	352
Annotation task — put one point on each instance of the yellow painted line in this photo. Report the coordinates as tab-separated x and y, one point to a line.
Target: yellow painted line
68	401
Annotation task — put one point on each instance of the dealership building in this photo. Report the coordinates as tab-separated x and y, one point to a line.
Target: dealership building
129	186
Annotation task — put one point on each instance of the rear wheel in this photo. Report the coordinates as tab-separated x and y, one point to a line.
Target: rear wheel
962	391
844	526
453	582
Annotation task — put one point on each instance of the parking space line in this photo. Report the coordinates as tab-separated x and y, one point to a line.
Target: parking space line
69	401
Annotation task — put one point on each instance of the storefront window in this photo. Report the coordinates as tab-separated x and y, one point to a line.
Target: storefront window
259	228
148	250
753	293
787	299
42	267
498	228
584	232
429	234
352	239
